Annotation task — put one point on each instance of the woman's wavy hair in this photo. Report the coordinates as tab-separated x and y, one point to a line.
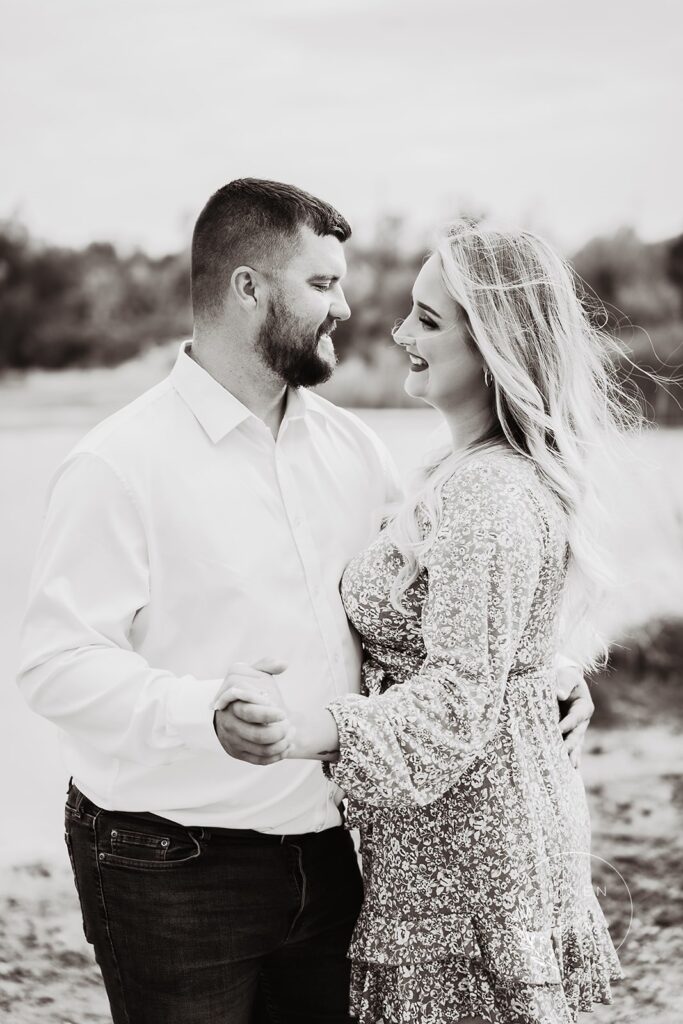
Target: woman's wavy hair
555	397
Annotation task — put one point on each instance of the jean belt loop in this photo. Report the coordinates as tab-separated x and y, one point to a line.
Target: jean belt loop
78	800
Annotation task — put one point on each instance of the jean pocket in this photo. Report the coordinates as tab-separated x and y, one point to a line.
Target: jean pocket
147	850
139	846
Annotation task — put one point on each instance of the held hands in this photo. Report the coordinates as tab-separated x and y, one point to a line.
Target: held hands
576	710
253	724
249	716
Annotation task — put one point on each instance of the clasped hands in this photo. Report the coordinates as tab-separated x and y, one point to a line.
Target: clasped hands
250	718
254	725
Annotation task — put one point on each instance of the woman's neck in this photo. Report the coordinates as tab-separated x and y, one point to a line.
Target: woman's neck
467	426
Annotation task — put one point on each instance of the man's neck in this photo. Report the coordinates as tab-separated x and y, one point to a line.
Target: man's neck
258	389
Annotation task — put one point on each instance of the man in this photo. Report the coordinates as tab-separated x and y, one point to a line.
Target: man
202	526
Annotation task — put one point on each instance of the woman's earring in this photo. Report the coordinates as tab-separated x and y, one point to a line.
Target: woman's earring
488	378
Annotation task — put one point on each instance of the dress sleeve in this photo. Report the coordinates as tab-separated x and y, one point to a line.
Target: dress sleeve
410	744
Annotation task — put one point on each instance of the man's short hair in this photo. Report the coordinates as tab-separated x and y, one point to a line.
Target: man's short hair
247	222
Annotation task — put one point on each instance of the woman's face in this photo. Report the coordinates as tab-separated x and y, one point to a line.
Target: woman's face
446	369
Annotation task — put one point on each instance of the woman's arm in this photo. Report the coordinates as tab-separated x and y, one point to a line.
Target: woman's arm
315	736
411	743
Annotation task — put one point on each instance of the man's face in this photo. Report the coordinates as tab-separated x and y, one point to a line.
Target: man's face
305	302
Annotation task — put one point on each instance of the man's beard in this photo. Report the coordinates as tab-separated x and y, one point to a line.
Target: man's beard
290	347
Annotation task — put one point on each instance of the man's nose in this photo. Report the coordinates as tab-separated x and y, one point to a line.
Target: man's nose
339	307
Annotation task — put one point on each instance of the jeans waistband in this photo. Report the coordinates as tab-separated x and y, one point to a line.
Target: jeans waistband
79	803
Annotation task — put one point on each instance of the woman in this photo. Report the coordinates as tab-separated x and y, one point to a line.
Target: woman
474	827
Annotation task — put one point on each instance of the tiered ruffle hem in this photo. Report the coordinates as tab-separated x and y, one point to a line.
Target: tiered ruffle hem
437	970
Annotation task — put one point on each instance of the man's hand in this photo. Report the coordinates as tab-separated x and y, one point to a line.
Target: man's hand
249	719
576	711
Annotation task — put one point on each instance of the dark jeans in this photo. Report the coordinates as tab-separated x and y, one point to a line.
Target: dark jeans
214	926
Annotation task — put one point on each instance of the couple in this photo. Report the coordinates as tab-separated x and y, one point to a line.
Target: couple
236	619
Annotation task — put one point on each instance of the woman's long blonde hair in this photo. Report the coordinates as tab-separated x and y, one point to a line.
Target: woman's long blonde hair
555	396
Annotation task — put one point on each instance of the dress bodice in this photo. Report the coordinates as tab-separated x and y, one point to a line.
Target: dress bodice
394	642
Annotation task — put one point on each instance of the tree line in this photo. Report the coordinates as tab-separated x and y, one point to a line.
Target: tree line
64	307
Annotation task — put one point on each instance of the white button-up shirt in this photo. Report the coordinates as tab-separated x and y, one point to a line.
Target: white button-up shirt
181	537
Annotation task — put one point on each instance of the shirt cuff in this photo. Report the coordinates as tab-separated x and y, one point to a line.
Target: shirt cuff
189	714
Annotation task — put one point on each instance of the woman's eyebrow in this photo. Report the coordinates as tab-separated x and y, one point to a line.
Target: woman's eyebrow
428	309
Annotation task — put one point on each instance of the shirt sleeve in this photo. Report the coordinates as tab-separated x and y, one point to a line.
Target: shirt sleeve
78	667
410	744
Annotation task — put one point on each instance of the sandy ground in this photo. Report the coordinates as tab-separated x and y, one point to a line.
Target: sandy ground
635	784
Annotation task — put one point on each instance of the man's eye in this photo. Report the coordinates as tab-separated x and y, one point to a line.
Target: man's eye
322	286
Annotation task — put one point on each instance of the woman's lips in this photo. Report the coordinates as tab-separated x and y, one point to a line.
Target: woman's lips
417	365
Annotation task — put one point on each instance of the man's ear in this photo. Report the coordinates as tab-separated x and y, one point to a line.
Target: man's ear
246	286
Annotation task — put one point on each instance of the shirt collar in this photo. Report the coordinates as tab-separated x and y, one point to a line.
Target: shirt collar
301	403
215	408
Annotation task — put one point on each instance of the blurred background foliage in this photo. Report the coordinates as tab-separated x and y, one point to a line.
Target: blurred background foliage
65	308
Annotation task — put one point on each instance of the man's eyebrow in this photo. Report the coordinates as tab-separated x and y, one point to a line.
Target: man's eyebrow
428	309
325	277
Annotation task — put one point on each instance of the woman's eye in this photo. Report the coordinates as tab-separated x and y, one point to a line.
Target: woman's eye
427	322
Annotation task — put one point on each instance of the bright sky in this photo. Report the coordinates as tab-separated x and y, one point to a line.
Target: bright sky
119	119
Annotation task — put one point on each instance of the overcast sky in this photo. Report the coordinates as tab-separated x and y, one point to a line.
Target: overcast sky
120	118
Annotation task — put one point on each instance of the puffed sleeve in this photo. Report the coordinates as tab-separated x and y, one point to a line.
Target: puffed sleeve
410	744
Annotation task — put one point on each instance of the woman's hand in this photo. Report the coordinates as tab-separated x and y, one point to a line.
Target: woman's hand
249	716
577	711
263	733
257	677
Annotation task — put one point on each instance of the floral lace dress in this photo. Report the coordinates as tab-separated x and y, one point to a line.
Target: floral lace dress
474	827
